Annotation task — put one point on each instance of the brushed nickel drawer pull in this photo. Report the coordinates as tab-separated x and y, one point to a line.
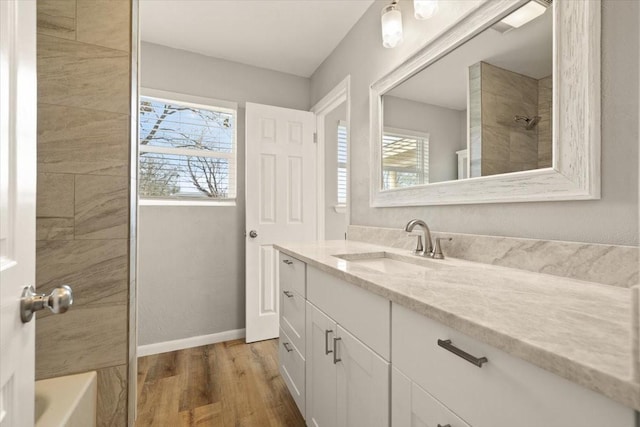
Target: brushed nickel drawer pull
335	350
289	294
446	425
326	341
447	345
287	261
287	347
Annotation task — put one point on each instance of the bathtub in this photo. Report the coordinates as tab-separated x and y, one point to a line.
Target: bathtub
67	401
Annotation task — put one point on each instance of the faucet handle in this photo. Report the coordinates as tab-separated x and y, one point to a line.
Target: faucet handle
437	248
419	247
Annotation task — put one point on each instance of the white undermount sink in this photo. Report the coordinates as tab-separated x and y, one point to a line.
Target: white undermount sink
392	263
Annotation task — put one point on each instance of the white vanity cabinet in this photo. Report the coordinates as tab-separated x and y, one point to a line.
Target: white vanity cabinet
413	406
347	380
321	369
351	358
292	327
504	392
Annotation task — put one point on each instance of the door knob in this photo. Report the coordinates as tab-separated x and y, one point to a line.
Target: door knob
58	301
253	234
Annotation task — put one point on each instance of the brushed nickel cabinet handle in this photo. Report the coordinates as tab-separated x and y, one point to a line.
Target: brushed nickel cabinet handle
448	345
335	350
326	341
287	261
287	347
446	425
289	294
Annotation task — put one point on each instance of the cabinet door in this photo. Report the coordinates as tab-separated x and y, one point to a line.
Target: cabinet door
411	406
321	371
363	384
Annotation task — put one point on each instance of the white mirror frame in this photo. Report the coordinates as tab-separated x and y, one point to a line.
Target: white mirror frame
575	171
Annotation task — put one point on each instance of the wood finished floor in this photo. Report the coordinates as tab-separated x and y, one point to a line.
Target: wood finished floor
230	384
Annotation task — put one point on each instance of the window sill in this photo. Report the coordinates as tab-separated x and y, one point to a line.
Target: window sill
167	202
340	209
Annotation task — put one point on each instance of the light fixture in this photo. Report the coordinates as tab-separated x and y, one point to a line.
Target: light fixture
391	20
424	9
526	13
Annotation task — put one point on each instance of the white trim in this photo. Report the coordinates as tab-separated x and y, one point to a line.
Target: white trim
339	94
406	133
134	241
185	202
575	174
191	100
340	209
163	347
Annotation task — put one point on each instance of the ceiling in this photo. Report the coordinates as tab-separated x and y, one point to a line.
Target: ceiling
526	50
292	36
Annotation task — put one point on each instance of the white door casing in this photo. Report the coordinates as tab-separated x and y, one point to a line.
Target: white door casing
17	207
280	203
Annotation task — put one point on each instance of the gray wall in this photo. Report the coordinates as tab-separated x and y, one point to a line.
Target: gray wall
335	224
613	219
191	276
446	129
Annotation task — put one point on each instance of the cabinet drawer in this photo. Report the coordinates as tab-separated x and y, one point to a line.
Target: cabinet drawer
411	405
292	369
362	313
292	274
504	392
292	318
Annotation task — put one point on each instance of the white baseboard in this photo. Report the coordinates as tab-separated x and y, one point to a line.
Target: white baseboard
163	347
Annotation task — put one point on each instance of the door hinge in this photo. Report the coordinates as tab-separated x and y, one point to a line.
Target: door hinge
315	137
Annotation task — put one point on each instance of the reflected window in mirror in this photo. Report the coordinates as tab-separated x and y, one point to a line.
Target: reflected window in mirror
405	158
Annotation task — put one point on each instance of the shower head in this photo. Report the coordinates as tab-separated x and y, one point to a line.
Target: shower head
529	122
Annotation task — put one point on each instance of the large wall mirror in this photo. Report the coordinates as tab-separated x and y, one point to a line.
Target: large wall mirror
504	106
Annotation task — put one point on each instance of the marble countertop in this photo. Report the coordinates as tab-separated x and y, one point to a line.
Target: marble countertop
576	329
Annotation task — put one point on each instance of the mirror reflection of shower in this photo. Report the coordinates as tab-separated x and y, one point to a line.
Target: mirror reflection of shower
529	122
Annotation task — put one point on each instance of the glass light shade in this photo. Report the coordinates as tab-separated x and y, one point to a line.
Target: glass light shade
424	9
526	13
391	26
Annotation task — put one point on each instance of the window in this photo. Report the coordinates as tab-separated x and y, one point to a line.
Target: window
342	163
405	159
187	150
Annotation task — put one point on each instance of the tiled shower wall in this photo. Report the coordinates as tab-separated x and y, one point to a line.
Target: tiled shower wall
84	65
498	144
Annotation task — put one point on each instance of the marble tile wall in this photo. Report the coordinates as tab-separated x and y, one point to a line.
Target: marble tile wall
607	264
84	64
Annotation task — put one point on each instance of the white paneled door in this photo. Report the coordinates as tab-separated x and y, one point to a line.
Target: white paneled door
280	203
17	207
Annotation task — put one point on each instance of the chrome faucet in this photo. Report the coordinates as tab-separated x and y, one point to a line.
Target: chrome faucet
427	237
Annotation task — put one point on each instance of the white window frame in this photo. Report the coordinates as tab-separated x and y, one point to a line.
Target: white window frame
197	102
411	134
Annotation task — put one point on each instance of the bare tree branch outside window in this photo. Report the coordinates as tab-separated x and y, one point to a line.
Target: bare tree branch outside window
169	134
